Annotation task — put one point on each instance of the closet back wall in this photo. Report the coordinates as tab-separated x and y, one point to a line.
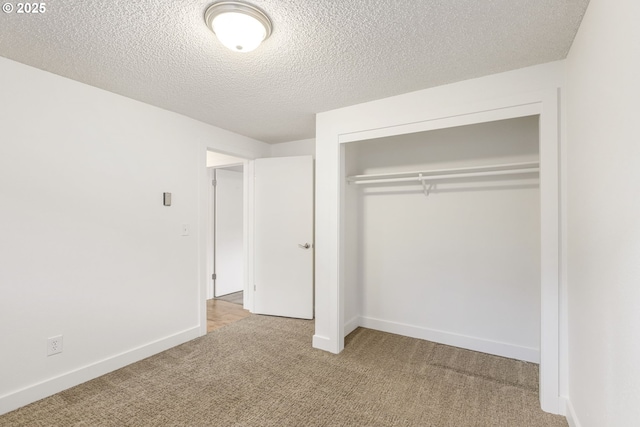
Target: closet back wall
460	266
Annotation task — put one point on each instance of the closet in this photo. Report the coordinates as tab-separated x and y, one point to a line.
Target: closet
442	236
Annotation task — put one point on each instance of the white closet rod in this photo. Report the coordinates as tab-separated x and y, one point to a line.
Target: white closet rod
438	174
453	175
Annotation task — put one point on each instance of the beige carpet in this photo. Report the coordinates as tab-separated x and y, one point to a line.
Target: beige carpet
262	371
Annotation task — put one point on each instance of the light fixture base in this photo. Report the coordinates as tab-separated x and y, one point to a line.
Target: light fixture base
234	7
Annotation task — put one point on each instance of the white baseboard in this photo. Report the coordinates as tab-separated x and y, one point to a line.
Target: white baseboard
324	343
30	394
572	418
351	325
562	406
471	343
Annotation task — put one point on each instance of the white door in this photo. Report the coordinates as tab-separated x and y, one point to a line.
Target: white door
228	232
283	248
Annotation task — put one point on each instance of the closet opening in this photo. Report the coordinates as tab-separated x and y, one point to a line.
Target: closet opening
442	234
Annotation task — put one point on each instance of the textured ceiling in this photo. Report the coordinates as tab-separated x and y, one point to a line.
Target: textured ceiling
322	55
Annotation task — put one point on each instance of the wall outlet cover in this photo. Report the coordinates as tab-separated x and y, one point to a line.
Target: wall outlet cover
54	345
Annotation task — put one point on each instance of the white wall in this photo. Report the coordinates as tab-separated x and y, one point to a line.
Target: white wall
303	147
215	159
462	265
87	249
604	216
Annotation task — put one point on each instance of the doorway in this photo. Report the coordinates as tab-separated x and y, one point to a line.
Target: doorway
226	241
227	236
273	189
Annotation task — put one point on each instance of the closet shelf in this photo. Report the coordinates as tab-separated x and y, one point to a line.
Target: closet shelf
440	174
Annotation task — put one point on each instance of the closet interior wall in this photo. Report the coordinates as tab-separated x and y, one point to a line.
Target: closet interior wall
460	265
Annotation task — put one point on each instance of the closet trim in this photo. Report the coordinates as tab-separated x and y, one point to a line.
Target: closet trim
452	117
360	123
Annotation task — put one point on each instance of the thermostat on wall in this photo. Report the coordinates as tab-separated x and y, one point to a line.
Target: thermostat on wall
166	199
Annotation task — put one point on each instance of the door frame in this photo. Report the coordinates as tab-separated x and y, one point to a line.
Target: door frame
205	225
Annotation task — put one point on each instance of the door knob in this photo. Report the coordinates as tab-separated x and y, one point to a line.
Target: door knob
305	246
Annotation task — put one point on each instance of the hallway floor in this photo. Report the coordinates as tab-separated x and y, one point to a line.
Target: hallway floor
221	313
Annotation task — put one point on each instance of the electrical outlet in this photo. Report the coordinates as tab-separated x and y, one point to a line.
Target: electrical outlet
54	345
185	229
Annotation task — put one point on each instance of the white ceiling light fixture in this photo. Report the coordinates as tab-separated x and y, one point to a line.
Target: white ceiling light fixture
239	26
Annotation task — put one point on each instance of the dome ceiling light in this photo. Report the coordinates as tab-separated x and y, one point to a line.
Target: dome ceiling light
239	26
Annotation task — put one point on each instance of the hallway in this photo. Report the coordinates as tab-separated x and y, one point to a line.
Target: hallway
221	313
